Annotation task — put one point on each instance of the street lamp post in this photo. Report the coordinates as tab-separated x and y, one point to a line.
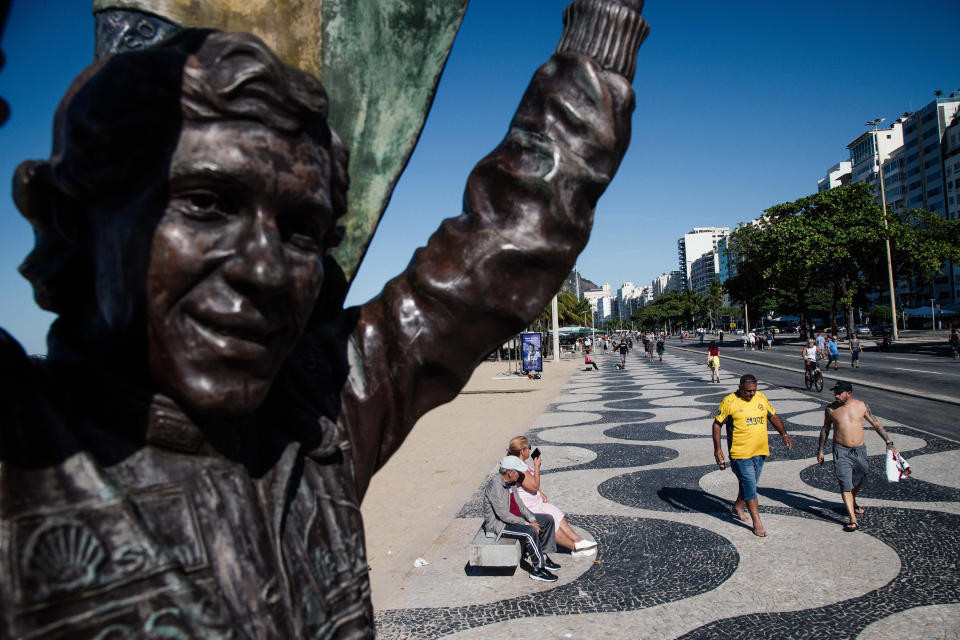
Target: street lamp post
883	201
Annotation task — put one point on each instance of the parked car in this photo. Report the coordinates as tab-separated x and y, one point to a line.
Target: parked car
864	330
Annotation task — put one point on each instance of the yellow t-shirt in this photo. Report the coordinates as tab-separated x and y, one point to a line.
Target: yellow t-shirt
749	436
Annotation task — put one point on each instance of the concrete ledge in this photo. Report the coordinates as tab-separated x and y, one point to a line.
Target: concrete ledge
490	552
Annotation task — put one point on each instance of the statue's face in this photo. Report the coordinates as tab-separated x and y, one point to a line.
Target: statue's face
235	262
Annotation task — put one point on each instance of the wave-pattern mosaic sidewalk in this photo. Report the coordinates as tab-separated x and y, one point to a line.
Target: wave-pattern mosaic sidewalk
628	456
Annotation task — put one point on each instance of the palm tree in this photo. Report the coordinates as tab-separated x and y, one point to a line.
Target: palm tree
714	298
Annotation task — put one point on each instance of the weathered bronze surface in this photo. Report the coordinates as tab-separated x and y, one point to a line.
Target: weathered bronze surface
400	46
190	459
4	107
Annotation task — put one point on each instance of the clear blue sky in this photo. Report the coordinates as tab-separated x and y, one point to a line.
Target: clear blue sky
740	105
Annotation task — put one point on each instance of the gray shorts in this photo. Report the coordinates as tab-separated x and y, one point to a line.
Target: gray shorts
850	465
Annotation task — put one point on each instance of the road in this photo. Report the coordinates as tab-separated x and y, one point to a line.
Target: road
918	371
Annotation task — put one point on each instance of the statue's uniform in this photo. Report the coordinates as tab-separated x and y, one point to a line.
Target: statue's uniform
119	518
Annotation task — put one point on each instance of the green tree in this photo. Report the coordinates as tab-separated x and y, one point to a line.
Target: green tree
714	299
570	311
665	312
825	250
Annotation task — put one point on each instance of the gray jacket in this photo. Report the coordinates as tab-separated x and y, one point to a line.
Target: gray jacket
496	507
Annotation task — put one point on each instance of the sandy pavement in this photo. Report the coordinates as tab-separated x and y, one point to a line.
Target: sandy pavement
443	461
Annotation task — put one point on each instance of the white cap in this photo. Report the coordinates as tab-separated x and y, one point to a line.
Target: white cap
514	463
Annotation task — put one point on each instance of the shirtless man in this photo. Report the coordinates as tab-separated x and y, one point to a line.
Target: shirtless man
846	415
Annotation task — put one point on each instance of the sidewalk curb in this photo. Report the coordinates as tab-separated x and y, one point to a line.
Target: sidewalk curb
857	381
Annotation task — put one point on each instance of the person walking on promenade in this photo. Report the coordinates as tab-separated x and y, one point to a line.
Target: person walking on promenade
846	415
622	348
954	341
713	361
660	342
855	350
833	351
746	413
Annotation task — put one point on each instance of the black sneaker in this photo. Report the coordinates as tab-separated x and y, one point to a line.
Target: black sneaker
550	564
542	575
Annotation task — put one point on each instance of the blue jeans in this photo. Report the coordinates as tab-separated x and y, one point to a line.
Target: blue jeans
748	471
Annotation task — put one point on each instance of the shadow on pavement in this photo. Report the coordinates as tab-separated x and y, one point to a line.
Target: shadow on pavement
806	503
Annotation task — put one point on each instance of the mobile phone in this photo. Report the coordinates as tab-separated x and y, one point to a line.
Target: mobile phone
536	453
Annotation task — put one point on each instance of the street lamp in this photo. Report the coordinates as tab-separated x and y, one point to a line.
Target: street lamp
883	200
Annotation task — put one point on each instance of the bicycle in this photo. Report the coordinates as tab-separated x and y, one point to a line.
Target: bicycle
814	378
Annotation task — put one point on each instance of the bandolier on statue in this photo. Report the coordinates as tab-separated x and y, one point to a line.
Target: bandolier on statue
190	458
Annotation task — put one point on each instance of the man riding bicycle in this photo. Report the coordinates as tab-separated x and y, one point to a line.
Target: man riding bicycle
810	354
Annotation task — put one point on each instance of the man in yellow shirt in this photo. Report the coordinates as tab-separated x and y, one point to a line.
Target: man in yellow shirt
747	411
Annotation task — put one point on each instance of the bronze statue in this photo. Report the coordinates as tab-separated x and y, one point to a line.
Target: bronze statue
190	457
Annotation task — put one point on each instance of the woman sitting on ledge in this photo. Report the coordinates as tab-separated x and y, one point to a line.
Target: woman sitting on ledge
536	501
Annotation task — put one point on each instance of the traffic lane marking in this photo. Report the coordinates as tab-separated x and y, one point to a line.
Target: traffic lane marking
936	373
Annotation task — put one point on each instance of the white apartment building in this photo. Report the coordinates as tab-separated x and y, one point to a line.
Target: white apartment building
837	175
629	298
672	281
694	244
864	153
603	310
705	270
951	167
926	146
895	180
646	294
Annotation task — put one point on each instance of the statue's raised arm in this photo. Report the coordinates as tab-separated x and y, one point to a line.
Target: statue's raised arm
528	210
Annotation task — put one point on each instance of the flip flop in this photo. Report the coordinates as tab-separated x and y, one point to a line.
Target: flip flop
851	527
760	535
857	509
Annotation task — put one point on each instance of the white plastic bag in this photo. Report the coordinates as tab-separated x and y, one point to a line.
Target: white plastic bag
897	467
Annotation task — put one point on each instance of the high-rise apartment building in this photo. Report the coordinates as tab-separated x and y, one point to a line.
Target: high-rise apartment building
925	148
694	244
837	175
705	270
672	281
923	154
895	181
871	149
951	167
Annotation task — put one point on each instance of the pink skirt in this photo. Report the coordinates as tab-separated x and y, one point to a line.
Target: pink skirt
535	503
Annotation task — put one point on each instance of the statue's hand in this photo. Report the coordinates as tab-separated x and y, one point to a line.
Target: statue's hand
636	5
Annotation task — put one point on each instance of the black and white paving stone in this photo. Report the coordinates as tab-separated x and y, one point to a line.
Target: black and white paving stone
628	456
